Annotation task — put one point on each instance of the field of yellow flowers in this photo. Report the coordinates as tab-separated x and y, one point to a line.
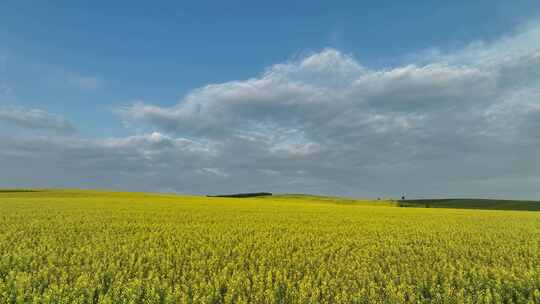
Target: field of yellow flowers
102	247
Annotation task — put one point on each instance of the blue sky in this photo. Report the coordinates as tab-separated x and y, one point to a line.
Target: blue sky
122	71
159	53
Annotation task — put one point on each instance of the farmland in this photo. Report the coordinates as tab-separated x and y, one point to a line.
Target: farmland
486	204
66	246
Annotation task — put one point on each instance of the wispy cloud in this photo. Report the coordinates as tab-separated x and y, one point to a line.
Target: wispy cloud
36	119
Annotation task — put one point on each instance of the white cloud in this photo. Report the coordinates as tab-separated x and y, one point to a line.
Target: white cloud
331	116
212	171
36	119
509	47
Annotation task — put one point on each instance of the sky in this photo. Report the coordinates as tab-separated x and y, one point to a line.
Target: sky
355	98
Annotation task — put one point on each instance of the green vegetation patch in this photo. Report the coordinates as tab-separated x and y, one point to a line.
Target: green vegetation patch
488	204
17	190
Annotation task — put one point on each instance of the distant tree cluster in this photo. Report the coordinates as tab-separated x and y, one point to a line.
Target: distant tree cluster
242	195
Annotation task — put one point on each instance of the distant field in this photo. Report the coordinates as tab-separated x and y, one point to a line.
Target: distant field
104	247
487	204
16	190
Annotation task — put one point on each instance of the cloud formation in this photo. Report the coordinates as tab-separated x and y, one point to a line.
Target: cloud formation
461	123
36	119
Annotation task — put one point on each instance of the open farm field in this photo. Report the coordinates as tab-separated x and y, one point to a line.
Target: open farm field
67	246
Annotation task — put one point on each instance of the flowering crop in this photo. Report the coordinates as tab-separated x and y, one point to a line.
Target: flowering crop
99	247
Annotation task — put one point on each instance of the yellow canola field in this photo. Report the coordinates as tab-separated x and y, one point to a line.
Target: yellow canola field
101	247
